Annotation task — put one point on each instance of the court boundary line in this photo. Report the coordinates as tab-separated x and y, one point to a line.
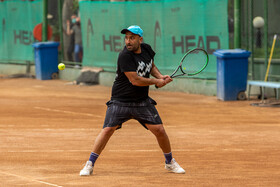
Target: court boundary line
67	112
112	150
30	179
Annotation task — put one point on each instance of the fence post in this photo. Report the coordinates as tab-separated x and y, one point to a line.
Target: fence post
45	21
265	34
60	29
252	38
237	24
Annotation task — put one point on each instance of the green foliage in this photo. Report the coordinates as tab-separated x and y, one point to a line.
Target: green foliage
75	5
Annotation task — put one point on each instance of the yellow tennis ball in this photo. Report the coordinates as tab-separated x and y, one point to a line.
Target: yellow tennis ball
61	66
184	68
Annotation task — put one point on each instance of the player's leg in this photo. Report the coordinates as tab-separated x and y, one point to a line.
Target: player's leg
102	139
115	116
164	143
148	116
162	138
99	144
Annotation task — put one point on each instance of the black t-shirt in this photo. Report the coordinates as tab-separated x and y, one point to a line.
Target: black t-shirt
128	61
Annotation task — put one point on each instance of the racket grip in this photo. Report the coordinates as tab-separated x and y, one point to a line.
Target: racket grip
156	86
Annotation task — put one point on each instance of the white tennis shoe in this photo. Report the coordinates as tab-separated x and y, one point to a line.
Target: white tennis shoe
87	170
174	167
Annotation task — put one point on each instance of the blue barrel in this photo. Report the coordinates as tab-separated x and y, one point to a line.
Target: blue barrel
232	71
46	60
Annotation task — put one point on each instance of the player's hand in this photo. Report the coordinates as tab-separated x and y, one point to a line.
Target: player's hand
160	83
167	79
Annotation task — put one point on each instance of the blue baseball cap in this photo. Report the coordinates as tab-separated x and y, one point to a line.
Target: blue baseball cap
135	29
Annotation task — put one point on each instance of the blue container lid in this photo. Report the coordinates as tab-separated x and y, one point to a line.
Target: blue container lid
45	44
232	53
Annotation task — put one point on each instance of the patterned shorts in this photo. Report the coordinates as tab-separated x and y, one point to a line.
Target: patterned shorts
144	112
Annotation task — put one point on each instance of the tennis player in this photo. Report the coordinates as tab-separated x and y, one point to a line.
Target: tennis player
130	99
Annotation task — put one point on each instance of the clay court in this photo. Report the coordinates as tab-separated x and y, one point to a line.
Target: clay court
47	129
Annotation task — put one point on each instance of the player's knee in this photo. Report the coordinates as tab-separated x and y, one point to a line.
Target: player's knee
159	131
109	130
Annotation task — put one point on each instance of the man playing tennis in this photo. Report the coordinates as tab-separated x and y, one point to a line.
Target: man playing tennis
130	98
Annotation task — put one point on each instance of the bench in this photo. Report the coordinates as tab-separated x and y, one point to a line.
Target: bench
263	85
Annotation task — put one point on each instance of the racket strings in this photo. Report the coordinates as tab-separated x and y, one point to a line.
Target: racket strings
194	62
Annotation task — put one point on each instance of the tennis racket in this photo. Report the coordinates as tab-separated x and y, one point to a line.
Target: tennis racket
192	63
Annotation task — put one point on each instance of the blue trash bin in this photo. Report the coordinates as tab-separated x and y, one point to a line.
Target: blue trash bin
46	60
232	71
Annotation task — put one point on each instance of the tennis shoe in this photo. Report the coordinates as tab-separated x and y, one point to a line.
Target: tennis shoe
87	170
174	167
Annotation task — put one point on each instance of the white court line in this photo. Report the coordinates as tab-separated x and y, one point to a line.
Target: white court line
46	151
30	179
116	150
67	112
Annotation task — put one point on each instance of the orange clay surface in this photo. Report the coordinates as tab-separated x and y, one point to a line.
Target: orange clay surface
47	129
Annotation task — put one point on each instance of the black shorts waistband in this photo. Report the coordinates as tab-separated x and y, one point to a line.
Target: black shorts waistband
143	103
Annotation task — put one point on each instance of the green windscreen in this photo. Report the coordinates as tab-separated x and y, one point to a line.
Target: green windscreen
171	27
17	20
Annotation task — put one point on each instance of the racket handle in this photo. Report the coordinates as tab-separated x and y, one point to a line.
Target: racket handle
156	86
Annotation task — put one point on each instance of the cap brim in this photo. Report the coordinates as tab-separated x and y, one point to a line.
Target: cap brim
124	31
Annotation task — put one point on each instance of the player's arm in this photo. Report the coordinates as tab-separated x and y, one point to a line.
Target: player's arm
157	74
142	81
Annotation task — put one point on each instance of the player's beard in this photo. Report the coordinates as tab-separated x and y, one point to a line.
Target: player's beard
133	48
